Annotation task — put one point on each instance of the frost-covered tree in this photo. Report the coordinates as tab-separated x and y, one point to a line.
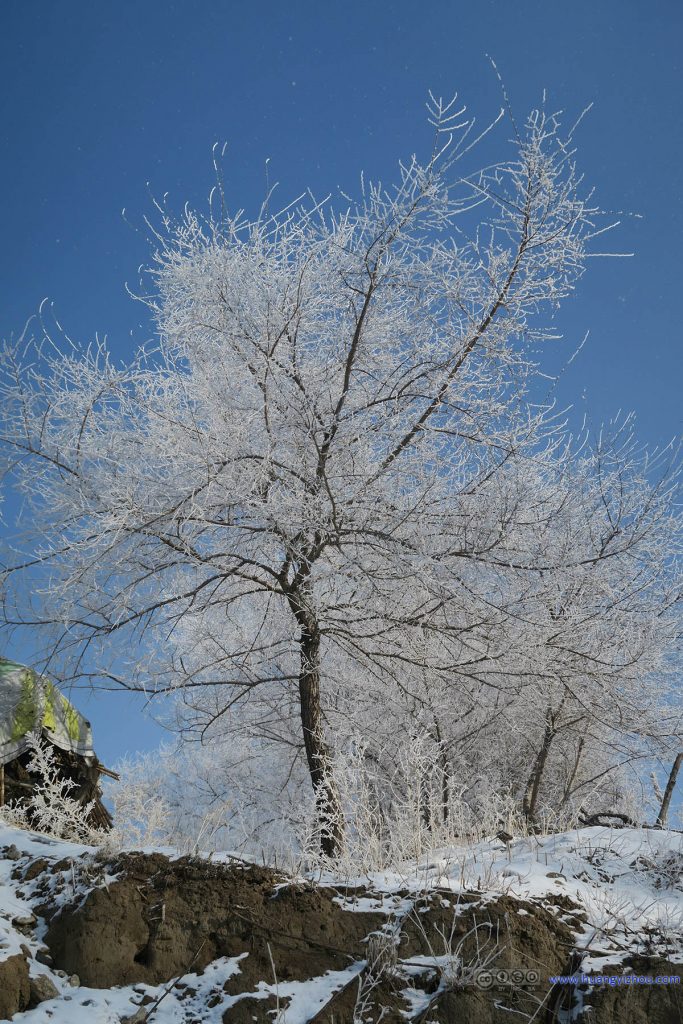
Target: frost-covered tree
308	496
598	577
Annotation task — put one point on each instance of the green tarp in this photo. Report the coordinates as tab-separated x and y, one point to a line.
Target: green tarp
31	703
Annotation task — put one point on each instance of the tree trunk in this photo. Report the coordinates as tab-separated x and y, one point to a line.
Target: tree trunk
327	800
668	792
570	782
445	775
445	790
533	786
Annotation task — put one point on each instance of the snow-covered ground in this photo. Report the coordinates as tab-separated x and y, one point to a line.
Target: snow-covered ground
627	882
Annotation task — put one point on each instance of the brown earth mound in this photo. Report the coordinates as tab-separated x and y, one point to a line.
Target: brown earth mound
162	919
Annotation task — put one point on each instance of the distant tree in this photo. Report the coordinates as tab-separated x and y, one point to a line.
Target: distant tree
607	622
316	474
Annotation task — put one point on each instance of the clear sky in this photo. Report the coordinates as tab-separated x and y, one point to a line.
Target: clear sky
100	98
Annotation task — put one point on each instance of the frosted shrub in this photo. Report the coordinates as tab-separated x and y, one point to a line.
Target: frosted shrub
51	809
15	816
223	796
419	808
141	812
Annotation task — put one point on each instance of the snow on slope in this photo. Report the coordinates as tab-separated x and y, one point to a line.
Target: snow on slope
628	882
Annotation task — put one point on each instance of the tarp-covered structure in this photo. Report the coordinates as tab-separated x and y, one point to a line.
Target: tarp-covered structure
31	704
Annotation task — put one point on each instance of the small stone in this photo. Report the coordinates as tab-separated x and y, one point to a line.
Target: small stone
556	874
42	989
43	956
139	1017
25	925
11	853
26	951
34	869
74	981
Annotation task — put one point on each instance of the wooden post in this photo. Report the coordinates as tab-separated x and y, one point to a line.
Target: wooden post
668	792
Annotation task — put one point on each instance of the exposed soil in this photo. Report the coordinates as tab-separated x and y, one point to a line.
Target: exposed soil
163	918
167	918
641	1004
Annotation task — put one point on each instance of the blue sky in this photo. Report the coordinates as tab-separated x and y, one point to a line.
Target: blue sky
99	99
